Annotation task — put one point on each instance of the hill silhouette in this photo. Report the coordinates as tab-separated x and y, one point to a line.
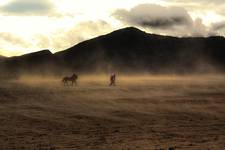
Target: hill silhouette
37	62
129	49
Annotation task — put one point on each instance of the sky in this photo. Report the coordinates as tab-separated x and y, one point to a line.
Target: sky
31	25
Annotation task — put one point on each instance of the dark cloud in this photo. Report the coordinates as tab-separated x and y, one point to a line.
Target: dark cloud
174	21
218	26
163	23
154	16
28	7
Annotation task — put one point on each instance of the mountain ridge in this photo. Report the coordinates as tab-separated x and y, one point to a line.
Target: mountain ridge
130	49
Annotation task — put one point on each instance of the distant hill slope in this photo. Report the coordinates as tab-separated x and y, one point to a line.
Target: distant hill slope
131	49
2	57
33	62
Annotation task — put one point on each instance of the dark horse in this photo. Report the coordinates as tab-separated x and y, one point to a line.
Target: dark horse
72	79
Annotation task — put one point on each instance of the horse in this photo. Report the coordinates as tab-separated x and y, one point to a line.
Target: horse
72	79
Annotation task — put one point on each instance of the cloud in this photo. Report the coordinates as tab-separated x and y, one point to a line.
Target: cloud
218	26
29	7
12	39
200	1
63	39
154	16
174	21
11	45
199	29
80	32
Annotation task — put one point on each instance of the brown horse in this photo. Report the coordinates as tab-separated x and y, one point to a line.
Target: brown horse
72	79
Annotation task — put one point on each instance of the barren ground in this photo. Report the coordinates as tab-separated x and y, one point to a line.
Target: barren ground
140	113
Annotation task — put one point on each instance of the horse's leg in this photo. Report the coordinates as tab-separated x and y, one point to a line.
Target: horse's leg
75	82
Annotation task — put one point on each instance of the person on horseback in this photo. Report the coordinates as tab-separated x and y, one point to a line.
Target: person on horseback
112	80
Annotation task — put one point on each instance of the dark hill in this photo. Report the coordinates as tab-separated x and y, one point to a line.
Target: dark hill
33	62
131	49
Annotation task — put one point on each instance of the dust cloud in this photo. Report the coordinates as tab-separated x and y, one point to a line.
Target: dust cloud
143	111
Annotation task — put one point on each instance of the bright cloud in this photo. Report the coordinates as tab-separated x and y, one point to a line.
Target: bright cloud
28	7
31	25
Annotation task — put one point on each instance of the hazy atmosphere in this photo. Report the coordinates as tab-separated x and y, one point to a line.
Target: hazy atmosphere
28	26
112	75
